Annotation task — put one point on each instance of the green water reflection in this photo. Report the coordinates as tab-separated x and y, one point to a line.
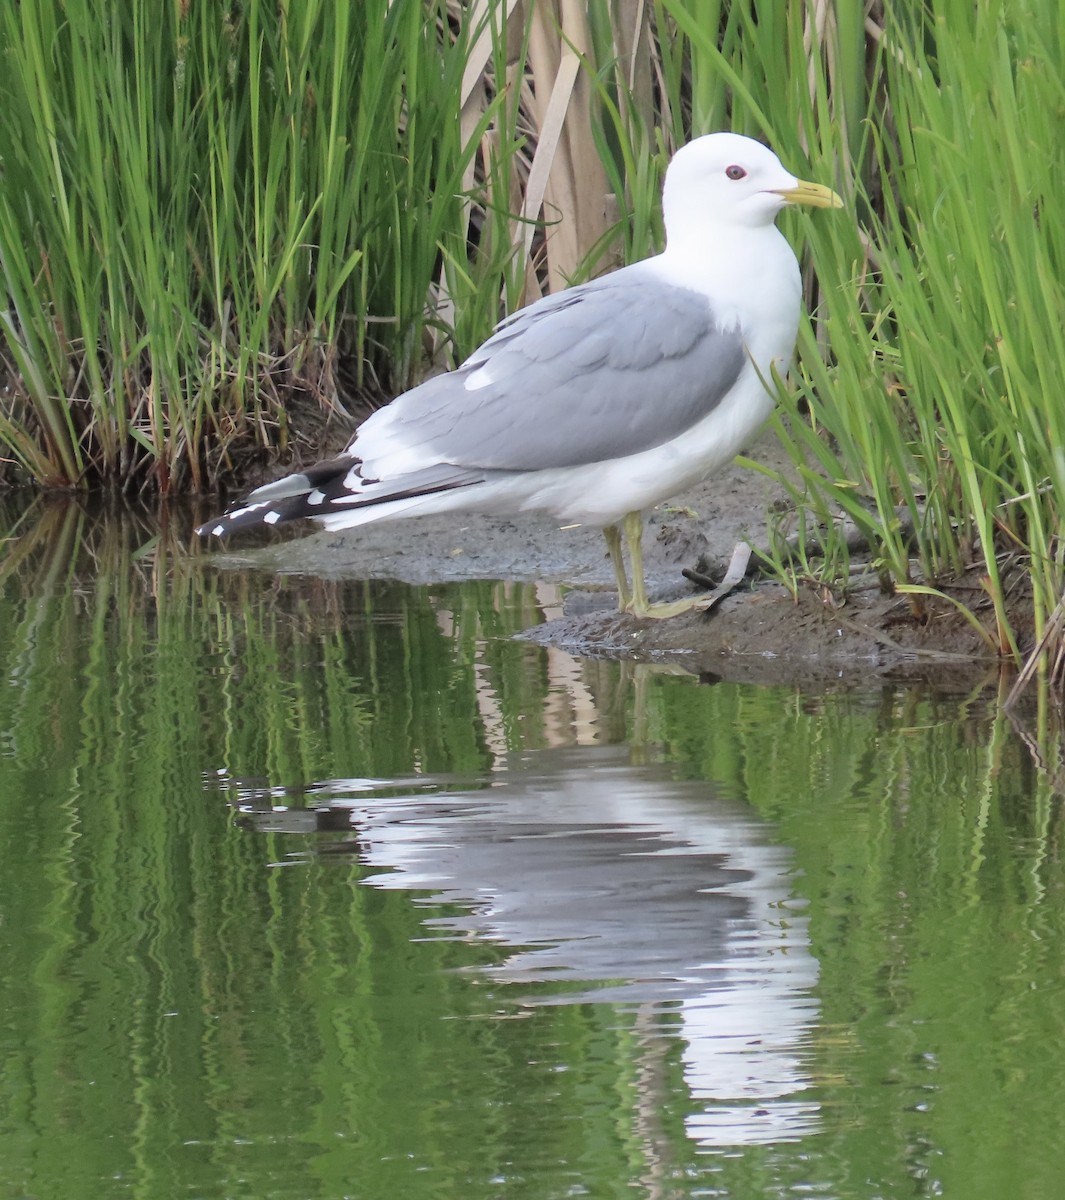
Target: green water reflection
287	865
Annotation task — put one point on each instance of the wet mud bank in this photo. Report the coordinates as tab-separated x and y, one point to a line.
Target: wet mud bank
760	633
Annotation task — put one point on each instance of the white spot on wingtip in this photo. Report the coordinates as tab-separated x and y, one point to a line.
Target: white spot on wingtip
218	530
271	518
316	497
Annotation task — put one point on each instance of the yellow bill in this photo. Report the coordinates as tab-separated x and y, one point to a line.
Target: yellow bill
816	195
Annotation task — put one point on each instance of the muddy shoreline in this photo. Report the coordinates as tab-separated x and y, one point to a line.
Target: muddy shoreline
759	633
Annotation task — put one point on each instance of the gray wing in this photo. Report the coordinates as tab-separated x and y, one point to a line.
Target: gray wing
600	371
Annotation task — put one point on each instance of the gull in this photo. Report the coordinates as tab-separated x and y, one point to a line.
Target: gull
598	402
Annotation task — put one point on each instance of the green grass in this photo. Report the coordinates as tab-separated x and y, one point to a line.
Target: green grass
940	394
202	207
215	219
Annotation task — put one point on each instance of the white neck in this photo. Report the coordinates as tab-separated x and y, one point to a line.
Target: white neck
718	263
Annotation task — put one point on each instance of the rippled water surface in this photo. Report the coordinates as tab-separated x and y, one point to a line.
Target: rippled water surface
336	890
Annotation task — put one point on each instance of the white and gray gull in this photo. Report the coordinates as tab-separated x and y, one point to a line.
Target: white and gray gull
600	401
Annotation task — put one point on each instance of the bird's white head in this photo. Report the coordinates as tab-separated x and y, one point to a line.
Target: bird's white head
726	180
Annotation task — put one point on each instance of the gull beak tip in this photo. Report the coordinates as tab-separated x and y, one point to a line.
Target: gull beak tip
812	195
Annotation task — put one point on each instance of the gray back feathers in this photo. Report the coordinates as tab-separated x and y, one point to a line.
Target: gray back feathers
600	371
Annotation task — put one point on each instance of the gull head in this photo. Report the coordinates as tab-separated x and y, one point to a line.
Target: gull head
725	180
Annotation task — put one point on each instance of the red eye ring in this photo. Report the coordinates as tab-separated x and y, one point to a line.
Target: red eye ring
735	172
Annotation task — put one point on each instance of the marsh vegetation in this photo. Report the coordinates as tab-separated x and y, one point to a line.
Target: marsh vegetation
222	226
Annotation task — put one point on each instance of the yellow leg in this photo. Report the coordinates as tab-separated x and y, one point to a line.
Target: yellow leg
617	559
638	605
635	601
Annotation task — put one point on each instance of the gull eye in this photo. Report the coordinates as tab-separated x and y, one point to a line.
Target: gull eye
735	172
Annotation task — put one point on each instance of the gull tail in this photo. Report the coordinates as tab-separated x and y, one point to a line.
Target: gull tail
336	493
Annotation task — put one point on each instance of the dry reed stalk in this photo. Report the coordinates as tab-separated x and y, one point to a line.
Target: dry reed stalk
558	189
567	162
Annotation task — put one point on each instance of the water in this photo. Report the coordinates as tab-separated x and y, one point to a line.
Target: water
320	890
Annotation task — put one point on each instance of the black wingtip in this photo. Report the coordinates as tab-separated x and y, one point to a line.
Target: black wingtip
246	516
286	499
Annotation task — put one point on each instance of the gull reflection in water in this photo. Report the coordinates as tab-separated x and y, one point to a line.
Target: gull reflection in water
650	888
